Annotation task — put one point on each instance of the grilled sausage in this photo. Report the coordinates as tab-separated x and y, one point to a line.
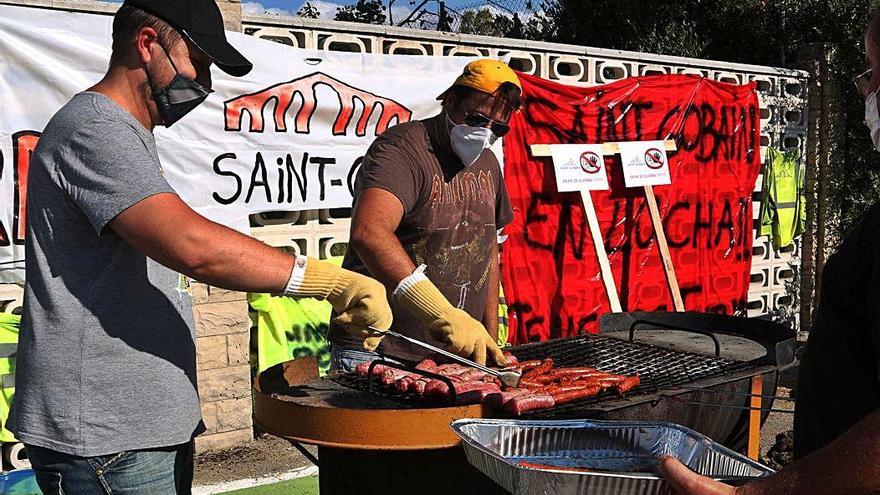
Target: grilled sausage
531	402
565	394
542	369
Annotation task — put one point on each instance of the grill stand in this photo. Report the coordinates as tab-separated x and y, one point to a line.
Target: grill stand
755	417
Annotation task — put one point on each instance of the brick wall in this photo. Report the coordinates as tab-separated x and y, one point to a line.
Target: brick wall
222	348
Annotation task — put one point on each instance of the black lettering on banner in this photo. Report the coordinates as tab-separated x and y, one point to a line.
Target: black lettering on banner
4	236
565	228
259	167
621	122
534	217
322	163
280	162
643	242
662	133
743	216
557	329
675	243
522	310
725	225
700	224
352	174
302	179
227	173
690	290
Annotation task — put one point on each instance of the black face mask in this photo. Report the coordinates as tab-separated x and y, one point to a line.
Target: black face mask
179	97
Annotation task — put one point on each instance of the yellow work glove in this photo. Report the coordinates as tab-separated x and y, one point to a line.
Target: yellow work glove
358	300
460	333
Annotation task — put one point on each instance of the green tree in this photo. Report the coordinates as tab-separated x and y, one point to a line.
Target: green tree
481	22
308	11
364	11
486	23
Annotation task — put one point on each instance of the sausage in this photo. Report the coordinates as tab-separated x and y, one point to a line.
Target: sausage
531	402
418	386
543	368
402	384
390	375
426	365
564	395
527	365
497	400
628	384
474	393
531	384
362	368
511	359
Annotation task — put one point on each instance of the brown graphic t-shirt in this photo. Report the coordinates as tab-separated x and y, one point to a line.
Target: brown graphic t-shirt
451	217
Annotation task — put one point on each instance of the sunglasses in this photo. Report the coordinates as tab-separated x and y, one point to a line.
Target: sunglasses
863	81
476	119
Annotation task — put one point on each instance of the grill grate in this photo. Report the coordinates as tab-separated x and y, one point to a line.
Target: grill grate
658	368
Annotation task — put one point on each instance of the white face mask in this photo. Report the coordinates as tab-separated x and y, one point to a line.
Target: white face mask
469	142
872	117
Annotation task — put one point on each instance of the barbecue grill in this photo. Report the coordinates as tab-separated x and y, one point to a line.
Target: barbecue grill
708	392
696	370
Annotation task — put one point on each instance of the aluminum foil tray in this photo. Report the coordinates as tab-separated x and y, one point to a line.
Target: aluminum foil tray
594	457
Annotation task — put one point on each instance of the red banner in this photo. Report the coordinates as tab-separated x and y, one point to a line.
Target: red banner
551	273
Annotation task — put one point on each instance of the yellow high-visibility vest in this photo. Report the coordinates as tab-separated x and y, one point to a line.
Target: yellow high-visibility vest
783	204
9	325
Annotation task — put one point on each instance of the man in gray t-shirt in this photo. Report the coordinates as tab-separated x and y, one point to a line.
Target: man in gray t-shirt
106	397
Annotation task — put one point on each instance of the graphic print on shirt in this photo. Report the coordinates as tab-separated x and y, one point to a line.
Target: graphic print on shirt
454	242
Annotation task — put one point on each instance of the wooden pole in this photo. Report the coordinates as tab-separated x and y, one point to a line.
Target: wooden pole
755	417
599	244
671	279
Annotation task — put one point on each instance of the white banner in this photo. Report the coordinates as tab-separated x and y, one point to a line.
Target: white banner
289	136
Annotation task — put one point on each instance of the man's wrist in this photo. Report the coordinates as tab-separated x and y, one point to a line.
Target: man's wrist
405	285
297	275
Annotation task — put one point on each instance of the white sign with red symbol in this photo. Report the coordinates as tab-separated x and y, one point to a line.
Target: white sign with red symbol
644	163
579	167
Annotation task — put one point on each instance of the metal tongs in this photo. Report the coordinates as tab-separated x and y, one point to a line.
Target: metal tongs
508	378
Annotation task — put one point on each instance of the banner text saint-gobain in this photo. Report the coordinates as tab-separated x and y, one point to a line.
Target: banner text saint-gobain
288	178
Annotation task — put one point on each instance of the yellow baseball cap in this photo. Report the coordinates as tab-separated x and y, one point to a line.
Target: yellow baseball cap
486	75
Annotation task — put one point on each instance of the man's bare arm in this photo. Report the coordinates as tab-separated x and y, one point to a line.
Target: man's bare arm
846	465
490	317
373	224
167	230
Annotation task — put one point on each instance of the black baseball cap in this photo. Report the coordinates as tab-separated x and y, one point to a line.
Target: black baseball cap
201	23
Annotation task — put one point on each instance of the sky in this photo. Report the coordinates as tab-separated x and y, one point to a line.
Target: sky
327	8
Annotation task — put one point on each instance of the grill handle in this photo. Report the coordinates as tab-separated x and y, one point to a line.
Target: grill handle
777	339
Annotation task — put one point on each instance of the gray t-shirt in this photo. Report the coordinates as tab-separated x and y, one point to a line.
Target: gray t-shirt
106	359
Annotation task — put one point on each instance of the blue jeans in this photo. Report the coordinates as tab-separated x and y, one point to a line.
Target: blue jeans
347	359
162	471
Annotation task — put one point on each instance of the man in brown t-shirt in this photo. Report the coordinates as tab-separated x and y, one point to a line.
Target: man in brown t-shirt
429	200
